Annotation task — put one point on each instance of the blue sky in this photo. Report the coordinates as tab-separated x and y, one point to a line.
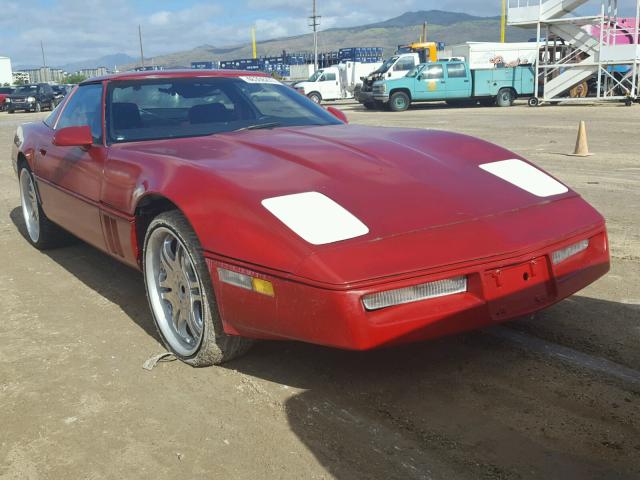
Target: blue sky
75	30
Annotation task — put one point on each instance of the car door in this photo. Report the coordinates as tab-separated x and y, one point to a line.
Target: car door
70	178
431	84
330	86
457	81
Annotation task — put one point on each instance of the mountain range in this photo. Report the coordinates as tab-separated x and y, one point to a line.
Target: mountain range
448	27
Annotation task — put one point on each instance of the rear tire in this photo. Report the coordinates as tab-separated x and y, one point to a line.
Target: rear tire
399	102
505	97
180	295
533	102
42	233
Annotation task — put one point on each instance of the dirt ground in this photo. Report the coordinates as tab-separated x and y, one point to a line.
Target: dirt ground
556	396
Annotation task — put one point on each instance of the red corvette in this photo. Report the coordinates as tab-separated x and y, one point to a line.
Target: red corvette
255	214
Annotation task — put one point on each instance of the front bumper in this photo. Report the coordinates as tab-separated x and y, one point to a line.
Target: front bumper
20	106
498	290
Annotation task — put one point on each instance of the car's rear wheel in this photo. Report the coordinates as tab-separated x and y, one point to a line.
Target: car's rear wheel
181	296
505	97
42	233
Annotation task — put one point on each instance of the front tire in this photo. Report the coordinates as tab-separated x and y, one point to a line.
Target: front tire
180	294
315	97
38	107
399	102
42	233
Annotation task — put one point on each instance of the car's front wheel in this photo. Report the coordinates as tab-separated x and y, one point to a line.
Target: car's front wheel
181	295
38	107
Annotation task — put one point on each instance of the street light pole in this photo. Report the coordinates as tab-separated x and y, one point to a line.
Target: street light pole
315	21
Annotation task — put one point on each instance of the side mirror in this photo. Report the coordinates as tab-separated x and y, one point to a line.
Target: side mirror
73	137
419	78
339	114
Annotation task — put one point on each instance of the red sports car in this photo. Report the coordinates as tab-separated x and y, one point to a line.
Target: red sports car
255	214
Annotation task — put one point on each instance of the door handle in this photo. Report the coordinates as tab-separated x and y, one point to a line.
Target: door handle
43	152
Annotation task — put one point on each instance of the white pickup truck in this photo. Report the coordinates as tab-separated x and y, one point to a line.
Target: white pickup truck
336	82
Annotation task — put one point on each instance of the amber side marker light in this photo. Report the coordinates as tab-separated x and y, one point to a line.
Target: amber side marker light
415	293
247	282
560	256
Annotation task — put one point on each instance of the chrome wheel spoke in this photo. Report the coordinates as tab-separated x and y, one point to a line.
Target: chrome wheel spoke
175	291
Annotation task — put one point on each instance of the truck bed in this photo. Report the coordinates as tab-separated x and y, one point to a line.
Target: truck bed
488	82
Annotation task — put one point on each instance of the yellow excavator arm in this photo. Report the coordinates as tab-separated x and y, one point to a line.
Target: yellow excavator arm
430	47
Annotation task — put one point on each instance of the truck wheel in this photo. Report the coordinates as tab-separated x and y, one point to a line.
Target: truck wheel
315	97
505	97
533	102
399	102
38	107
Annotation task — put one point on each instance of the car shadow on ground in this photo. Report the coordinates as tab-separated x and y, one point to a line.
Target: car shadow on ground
467	406
113	280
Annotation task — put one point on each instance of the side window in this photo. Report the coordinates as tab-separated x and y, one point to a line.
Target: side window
329	77
456	70
433	71
84	108
404	64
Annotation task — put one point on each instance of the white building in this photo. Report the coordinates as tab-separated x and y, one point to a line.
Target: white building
20	78
6	74
45	75
93	72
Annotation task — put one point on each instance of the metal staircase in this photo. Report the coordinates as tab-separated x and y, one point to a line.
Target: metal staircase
599	62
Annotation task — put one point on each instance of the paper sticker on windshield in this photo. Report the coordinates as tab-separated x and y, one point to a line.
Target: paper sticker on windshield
256	79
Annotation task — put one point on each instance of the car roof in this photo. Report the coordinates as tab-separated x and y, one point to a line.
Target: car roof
185	73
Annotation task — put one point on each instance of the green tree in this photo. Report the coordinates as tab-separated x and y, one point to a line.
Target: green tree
75	78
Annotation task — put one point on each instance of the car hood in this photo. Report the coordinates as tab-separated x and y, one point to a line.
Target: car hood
400	183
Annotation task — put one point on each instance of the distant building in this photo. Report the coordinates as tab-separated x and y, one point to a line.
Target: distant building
21	77
93	72
45	75
5	71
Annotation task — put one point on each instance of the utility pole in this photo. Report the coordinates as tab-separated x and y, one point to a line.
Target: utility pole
44	63
503	21
141	52
314	23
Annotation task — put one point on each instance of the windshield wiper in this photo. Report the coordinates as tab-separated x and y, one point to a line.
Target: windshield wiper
259	126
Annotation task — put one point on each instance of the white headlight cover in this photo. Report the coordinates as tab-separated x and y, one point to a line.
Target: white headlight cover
526	177
415	293
315	217
31	99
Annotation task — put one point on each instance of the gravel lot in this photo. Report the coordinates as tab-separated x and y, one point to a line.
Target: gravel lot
557	396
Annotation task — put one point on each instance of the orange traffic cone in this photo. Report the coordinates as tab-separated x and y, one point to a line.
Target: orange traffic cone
582	146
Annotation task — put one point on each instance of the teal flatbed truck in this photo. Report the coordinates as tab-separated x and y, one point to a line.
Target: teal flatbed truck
455	83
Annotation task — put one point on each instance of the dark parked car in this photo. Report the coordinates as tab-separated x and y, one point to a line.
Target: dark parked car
32	98
60	91
4	93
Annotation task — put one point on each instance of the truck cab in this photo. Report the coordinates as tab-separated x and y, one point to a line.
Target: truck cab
396	66
322	85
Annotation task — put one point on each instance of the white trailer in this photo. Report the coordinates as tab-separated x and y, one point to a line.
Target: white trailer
6	74
481	55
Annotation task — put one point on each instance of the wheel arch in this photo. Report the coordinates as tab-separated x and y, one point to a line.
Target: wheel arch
147	208
403	90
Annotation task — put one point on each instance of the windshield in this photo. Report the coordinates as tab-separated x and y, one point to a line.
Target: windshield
316	76
26	90
186	107
388	63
